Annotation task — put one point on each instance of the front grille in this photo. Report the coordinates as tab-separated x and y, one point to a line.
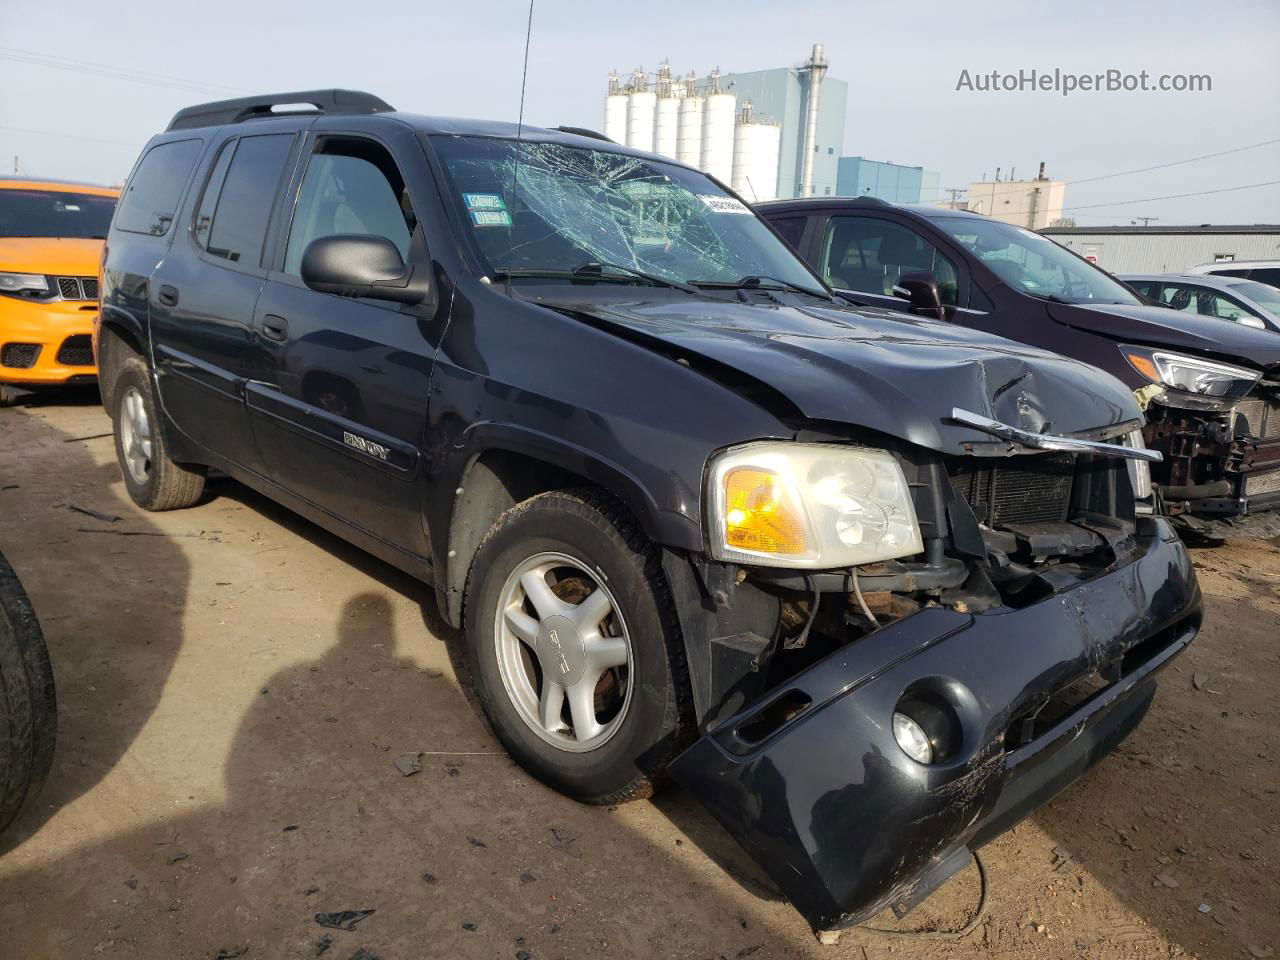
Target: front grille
21	356
1261	418
76	351
77	288
1256	486
1029	489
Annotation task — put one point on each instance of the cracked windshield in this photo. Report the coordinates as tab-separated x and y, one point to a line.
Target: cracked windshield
567	212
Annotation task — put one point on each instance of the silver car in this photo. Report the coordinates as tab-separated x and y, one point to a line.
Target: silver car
1248	302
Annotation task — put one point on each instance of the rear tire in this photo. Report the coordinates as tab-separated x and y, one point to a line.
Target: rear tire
153	480
608	732
28	708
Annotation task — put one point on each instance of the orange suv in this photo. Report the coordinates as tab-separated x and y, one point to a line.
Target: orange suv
51	236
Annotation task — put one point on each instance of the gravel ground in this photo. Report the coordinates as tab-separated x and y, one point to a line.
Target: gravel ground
235	687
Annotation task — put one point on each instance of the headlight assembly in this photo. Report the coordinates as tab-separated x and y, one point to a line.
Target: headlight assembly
1206	378
21	282
814	506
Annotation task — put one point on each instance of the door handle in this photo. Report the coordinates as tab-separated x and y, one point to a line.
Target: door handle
275	328
168	295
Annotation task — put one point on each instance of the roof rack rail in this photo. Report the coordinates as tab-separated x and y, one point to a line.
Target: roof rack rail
584	132
249	108
872	201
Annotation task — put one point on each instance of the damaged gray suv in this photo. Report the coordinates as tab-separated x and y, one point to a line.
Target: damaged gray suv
871	587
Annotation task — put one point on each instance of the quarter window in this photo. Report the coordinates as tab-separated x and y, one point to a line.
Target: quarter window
151	200
237	217
869	255
351	186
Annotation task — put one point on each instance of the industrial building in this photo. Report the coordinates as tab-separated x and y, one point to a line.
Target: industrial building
1034	204
1171	249
890	182
767	133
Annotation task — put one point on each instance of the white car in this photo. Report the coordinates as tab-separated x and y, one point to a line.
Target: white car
1248	302
1262	271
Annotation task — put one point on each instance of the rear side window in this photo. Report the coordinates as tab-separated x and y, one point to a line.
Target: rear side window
791	229
150	202
1268	275
237	217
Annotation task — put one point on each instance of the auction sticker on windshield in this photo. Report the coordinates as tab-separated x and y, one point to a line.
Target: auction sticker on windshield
491	218
484	201
724	204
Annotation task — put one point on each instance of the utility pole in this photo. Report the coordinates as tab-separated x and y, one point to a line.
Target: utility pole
955	195
1145	220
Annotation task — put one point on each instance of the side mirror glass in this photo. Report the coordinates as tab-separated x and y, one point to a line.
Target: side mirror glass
360	265
921	291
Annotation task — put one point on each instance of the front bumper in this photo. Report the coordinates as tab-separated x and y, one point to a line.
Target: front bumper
846	824
46	327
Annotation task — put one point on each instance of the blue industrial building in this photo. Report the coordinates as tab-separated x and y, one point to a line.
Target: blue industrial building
891	182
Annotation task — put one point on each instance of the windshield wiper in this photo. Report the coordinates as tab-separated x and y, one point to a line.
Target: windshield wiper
594	270
754	282
597	267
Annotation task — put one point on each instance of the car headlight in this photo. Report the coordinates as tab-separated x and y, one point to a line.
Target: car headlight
810	505
18	282
1192	374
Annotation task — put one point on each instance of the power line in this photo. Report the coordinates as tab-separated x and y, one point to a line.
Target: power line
1175	163
1176	196
107	70
73	136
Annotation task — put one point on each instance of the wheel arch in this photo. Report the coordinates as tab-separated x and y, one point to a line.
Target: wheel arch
115	330
509	468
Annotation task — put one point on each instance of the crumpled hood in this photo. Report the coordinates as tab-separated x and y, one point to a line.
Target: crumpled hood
61	256
895	373
1161	327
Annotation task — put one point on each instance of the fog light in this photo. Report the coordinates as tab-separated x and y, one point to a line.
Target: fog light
912	739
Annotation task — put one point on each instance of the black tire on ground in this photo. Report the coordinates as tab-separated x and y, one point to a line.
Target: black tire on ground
9	395
28	710
595	530
168	485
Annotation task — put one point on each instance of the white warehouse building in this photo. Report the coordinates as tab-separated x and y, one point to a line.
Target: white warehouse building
1169	249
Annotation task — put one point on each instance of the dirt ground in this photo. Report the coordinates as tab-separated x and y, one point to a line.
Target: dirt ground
234	686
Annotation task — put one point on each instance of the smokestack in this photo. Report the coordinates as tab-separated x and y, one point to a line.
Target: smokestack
1041	175
817	68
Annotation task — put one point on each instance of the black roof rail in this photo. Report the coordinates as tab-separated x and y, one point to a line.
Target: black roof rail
248	108
584	132
872	201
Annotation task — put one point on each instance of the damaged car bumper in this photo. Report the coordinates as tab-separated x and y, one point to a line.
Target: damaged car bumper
811	781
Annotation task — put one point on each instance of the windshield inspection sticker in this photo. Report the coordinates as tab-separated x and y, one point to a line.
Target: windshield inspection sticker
724	204
491	218
483	201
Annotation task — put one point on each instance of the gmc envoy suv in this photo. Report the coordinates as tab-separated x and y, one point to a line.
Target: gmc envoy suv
872	587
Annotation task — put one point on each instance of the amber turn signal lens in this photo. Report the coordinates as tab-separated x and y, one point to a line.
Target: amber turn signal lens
1144	366
759	515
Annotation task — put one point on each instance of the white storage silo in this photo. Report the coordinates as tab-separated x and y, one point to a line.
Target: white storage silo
641	108
718	114
615	111
689	125
666	130
756	146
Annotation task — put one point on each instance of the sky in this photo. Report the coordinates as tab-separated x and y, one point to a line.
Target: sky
79	109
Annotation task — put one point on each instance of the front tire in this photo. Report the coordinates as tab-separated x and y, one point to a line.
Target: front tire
574	646
153	480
